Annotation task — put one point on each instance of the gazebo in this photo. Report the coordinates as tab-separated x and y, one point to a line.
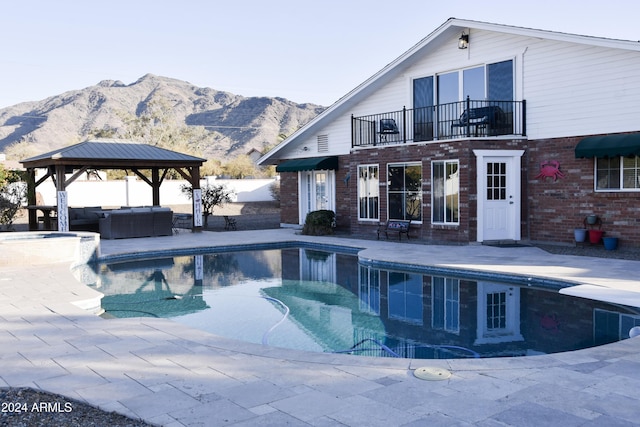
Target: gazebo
76	159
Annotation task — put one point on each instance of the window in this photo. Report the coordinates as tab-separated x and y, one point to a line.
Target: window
610	326
368	192
404	191
405	297
369	290
445	185
619	173
488	84
423	109
446	304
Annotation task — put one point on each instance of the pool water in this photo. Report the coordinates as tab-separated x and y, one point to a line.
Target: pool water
327	301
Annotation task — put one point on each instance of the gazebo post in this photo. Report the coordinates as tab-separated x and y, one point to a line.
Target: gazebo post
31	198
197	199
61	196
155	185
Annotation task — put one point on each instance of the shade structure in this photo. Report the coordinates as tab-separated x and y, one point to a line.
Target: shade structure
308	164
609	146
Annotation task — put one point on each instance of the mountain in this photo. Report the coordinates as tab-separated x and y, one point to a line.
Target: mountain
230	124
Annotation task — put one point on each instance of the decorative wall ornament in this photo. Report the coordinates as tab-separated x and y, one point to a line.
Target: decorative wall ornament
550	169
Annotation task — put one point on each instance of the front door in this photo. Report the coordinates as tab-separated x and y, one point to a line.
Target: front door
316	191
498	194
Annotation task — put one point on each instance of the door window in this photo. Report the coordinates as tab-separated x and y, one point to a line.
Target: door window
496	181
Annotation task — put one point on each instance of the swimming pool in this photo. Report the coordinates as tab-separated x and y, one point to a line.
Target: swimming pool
314	299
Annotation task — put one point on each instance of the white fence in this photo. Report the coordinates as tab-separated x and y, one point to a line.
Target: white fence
134	192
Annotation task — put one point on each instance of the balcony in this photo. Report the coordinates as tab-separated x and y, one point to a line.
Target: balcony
464	119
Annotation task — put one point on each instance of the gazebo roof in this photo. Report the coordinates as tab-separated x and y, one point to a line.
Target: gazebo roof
113	154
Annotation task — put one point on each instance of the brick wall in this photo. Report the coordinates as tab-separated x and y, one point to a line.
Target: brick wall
289	198
556	207
551	209
462	151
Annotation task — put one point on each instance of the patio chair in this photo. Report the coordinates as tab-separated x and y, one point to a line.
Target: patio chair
229	223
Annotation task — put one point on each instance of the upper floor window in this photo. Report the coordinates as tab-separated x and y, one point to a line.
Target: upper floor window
492	82
445	192
404	191
618	174
368	192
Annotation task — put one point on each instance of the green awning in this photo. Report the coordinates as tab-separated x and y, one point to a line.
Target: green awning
308	164
609	146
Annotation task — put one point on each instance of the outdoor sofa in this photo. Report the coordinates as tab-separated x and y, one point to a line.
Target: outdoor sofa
127	223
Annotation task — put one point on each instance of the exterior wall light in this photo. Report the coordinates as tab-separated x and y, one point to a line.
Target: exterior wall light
463	41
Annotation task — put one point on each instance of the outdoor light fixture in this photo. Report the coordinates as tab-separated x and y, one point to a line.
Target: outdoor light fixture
463	41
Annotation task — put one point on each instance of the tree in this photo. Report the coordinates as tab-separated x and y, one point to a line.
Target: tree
212	196
12	194
241	167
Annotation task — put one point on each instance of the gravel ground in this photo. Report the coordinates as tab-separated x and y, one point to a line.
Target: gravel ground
24	407
597	251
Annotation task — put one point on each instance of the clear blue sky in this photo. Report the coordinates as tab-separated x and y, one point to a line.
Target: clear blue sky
305	51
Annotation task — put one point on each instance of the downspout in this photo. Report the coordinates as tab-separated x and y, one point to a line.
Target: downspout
525	159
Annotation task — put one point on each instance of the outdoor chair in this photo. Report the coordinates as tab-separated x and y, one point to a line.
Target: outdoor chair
229	223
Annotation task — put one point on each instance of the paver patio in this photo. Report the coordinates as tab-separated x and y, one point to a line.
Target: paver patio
172	375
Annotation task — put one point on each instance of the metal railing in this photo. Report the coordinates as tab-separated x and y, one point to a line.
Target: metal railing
465	119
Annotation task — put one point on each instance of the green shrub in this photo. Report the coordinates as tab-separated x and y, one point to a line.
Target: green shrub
319	223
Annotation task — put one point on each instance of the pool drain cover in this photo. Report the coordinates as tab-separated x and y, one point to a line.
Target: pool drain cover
432	374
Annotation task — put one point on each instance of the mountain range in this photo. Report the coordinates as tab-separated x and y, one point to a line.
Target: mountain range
228	124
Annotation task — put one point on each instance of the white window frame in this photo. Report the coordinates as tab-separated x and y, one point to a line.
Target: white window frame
620	188
370	184
369	290
450	310
457	201
419	192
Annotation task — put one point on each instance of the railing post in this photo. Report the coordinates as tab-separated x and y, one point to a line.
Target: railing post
404	124
353	132
524	117
468	110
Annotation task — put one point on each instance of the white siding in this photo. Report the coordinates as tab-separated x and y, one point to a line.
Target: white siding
571	89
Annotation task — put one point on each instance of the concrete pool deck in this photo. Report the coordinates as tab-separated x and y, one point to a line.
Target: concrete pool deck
168	374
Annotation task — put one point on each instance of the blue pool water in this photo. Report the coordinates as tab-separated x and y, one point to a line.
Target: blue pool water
327	301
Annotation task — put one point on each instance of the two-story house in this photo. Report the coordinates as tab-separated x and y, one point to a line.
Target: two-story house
480	132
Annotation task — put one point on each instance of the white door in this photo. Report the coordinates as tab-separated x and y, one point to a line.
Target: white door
316	192
498	194
498	313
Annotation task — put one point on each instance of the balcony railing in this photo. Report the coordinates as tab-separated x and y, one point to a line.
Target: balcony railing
465	119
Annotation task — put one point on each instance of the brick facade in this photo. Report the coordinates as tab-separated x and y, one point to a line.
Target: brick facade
551	209
556	208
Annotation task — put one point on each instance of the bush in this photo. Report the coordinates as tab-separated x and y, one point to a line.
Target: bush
12	194
319	223
212	196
